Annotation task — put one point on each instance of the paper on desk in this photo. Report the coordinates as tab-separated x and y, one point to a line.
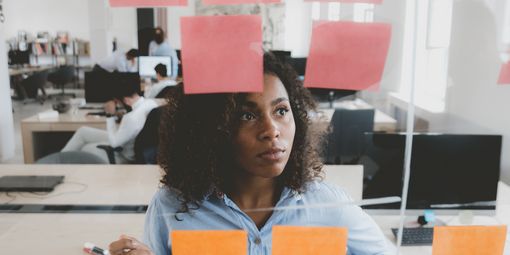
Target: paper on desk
504	74
347	55
467	240
309	240
349	1
222	54
147	3
211	242
239	1
50	114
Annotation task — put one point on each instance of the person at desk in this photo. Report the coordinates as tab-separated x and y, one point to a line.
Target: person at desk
124	62
163	82
224	155
122	135
160	47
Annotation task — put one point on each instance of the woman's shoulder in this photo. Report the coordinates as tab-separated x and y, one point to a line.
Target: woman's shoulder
166	199
325	191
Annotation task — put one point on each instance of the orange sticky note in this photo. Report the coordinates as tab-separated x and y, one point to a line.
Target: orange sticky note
209	242
147	3
240	1
347	55
469	240
309	240
504	74
349	1
222	54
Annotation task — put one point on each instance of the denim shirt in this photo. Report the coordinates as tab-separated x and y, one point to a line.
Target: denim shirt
221	213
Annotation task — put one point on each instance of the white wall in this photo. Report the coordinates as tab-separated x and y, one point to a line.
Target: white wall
6	120
474	68
49	15
174	22
298	27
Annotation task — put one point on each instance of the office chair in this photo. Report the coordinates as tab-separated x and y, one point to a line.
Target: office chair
61	77
346	141
71	157
146	142
32	84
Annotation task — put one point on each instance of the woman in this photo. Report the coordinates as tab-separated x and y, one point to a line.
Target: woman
226	154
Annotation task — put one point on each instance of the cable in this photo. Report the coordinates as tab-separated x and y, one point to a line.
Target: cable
47	194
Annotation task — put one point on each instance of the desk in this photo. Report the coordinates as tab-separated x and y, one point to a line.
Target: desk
382	121
41	136
17	75
105	184
59	233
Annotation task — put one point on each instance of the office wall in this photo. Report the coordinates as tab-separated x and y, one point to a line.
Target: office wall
473	94
49	15
174	22
6	119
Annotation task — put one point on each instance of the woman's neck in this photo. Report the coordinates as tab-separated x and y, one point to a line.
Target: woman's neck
255	192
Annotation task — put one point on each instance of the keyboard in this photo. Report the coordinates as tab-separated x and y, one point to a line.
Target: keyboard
415	236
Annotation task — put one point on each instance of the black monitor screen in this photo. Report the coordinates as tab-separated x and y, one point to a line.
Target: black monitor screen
102	86
447	171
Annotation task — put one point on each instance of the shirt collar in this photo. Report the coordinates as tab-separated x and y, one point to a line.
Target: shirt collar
138	103
287	193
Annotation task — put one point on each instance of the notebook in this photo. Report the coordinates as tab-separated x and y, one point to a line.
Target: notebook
30	183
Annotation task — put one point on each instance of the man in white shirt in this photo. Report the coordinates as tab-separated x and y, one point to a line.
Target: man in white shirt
124	62
163	82
160	47
122	135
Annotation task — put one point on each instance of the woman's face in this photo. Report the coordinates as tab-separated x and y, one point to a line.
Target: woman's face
264	140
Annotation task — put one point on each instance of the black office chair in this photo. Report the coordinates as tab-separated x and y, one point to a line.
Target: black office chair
146	142
346	140
31	86
61	77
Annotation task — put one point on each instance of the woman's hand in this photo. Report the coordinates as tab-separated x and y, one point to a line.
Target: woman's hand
129	245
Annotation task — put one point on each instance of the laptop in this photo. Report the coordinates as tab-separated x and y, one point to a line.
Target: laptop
30	183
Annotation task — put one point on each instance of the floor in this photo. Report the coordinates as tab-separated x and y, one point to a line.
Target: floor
22	111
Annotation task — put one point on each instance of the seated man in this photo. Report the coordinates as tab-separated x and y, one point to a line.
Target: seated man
123	135
163	82
124	62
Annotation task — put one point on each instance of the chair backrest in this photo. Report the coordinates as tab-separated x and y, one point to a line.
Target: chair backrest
147	141
346	140
349	177
71	157
34	82
64	75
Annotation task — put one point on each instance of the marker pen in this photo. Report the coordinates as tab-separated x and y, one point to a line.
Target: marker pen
93	249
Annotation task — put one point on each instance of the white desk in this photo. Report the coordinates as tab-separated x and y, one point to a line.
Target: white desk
34	129
127	184
105	184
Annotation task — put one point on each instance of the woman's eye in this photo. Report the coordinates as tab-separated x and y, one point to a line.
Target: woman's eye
282	111
247	116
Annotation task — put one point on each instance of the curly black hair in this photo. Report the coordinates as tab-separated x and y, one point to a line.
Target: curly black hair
196	139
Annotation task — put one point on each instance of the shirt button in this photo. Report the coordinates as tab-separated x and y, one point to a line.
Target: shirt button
257	241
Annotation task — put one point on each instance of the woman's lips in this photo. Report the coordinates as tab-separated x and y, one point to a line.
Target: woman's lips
272	154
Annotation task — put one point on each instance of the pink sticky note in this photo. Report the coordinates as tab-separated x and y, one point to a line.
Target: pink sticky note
349	1
240	1
504	74
222	54
347	55
147	3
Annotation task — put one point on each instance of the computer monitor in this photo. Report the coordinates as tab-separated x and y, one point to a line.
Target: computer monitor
299	65
448	171
147	64
102	86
